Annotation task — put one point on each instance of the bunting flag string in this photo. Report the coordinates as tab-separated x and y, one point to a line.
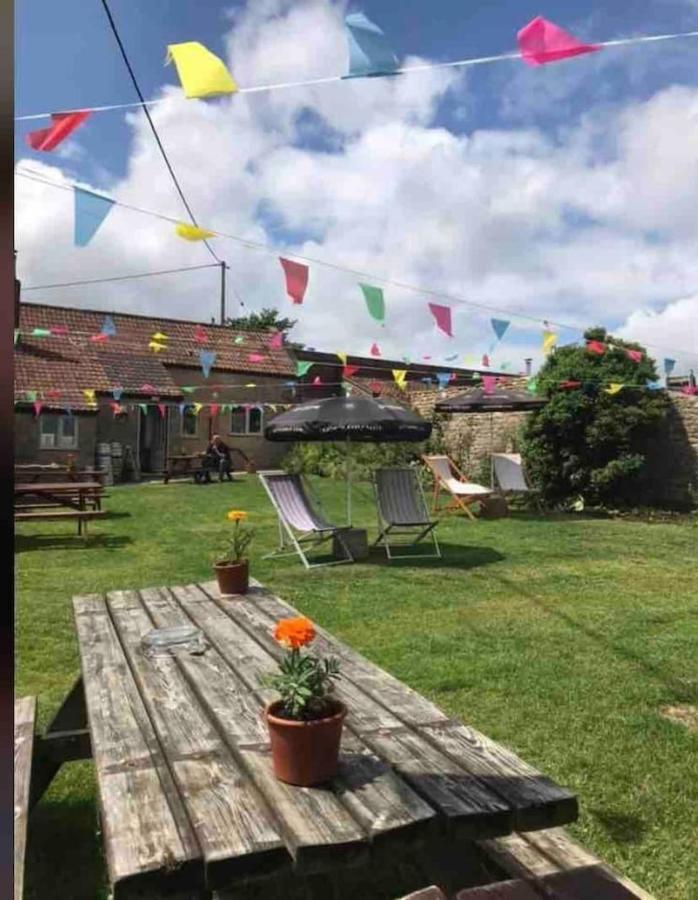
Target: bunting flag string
540	42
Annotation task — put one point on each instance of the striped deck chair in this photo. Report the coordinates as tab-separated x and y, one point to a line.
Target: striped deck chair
448	477
299	522
510	475
402	512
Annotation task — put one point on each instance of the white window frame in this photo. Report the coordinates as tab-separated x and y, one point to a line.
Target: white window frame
62	443
186	414
247	432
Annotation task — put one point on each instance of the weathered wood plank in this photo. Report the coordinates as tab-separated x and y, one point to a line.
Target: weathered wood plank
503	890
147	835
347	824
25	716
365	714
404	703
536	800
468	807
559	867
232	825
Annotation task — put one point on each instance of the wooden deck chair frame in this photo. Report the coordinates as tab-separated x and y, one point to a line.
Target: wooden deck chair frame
419	531
458	502
310	539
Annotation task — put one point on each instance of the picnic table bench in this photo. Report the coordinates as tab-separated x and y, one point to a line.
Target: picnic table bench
192	464
80	501
187	794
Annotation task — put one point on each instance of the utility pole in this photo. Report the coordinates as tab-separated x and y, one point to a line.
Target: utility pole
223	268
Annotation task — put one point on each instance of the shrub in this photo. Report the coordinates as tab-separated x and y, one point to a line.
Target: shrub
586	442
330	459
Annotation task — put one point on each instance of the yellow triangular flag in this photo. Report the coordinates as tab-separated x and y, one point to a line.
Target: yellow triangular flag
197	408
201	72
159	336
549	341
343	357
613	388
193	233
90	397
399	375
156	347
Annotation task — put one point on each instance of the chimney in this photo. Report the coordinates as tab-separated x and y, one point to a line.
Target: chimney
528	366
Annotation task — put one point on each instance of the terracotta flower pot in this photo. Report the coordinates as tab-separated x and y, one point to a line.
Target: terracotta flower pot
233	578
305	753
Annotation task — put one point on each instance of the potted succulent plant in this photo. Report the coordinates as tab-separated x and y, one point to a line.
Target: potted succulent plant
232	569
305	724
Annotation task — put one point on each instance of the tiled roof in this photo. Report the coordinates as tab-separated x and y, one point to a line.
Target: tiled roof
57	381
133	333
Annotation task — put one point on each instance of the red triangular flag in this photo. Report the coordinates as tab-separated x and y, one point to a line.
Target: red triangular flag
276	341
63	125
635	355
442	316
348	371
200	335
296	279
54	393
486	360
58	329
99	338
376	387
542	42
596	347
317	380
161	408
375	350
214	409
489	382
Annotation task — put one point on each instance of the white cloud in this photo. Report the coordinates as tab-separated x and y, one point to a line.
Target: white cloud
513	218
674	327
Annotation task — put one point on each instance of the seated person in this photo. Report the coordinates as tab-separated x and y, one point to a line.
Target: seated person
217	457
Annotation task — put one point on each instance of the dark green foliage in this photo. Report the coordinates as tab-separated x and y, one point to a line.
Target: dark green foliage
305	684
588	443
266	320
330	459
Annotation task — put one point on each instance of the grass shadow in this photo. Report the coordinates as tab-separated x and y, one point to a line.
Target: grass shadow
27	542
620	827
454	556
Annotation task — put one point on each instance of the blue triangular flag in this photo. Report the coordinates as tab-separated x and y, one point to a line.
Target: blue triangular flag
669	366
207	359
181	407
90	211
116	393
369	53
443	378
654	385
499	327
108	328
426	380
451	358
69	410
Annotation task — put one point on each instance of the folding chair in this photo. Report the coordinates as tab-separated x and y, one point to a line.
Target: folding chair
510	475
296	514
463	492
402	511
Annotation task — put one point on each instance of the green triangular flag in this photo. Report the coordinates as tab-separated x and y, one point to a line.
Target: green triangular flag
17	333
41	332
374	301
302	368
144	408
531	385
239	339
187	389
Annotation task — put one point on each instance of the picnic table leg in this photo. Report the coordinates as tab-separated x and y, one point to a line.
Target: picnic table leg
66	739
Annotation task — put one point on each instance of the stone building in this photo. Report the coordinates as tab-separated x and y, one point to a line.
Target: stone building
79	388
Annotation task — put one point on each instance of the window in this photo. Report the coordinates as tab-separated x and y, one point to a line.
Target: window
246	421
190	423
58	432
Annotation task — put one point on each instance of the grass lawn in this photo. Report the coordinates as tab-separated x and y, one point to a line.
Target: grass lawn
559	636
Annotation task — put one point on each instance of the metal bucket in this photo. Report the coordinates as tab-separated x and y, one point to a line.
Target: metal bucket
105	466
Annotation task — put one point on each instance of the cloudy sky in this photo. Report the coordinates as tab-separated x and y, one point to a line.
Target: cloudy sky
566	193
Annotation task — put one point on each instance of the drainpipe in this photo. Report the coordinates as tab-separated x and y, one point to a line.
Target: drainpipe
529	363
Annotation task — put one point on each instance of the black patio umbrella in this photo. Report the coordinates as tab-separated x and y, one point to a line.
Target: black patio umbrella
349	419
501	399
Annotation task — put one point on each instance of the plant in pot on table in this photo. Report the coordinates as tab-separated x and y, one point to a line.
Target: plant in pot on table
305	724
232	568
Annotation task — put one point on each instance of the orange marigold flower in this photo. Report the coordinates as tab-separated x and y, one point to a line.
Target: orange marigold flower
237	515
294	633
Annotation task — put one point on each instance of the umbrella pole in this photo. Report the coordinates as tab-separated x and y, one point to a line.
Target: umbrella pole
491	450
348	482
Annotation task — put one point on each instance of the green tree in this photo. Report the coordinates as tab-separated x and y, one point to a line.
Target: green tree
266	320
586	442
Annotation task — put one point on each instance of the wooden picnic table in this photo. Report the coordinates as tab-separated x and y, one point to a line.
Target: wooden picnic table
30	473
71	494
187	794
183	464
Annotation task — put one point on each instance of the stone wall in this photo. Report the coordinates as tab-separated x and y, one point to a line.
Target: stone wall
27	440
672	471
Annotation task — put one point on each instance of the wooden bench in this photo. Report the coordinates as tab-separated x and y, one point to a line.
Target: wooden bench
82	516
25	716
543	864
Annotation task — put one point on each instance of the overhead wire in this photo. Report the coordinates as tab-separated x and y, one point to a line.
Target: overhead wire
46	287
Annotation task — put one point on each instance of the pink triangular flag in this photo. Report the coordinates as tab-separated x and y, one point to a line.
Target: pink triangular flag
200	335
276	341
486	360
596	347
255	357
542	42
317	380
375	350
214	409
489	382
376	387
99	338
37	407
149	388
635	355
161	408
58	329
442	316
349	370
296	279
